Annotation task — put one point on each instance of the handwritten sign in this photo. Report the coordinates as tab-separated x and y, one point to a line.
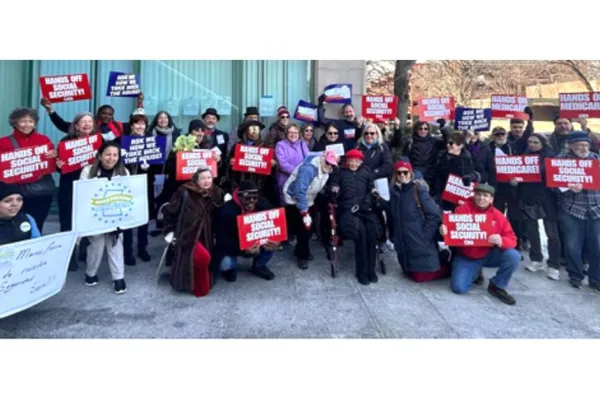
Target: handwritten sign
26	164
379	108
468	230
261	227
101	206
253	159
78	153
188	162
123	85
338	93
434	108
579	105
33	270
455	191
522	168
63	88
509	106
473	119
306	111
137	149
560	172
337	148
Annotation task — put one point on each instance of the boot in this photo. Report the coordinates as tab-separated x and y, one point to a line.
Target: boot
129	259
143	255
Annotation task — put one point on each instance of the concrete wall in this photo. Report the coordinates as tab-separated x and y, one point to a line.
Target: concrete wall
340	71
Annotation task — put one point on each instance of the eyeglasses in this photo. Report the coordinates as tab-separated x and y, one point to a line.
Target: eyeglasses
370	133
331	133
402	173
423	128
309	130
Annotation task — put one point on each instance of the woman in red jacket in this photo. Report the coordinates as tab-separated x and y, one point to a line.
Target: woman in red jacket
38	192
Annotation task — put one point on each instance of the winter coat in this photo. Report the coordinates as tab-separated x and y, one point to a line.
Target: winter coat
112	131
323	142
423	154
305	183
275	135
536	194
311	143
288	155
196	226
21	227
415	218
463	165
219	139
487	159
350	131
378	159
235	177
519	144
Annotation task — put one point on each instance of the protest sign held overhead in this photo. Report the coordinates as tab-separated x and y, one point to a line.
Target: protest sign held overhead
123	85
63	88
261	227
473	119
338	93
188	162
560	172
579	105
78	153
466	230
379	108
306	111
101	205
253	159
34	270
145	149
26	164
504	106
522	168
434	108
455	191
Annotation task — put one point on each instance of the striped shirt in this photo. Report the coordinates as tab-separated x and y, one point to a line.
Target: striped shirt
582	205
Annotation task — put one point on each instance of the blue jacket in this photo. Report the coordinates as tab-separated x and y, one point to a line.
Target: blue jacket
21	227
305	183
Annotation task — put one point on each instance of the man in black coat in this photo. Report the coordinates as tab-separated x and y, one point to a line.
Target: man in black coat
219	138
227	248
350	128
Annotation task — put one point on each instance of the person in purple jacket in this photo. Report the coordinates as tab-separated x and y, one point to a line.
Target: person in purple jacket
289	153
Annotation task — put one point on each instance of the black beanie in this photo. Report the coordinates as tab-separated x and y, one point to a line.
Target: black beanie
247	186
196	124
7	189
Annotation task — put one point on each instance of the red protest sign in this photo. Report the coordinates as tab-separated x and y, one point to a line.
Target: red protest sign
560	172
434	108
504	106
455	191
262	226
579	105
62	88
468	230
78	153
188	162
379	108
253	159
523	168
26	164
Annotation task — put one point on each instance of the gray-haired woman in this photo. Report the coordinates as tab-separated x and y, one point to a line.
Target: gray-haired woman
38	192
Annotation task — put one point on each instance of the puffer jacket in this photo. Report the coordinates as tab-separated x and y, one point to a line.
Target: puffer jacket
378	158
305	183
355	188
423	154
462	165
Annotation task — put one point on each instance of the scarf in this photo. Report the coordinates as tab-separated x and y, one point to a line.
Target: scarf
112	126
368	146
168	132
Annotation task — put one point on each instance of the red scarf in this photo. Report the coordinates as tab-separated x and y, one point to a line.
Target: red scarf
115	126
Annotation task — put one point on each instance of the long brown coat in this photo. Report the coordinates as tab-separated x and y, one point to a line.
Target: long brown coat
196	226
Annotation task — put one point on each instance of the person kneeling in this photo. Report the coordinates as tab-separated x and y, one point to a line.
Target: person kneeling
15	225
245	200
353	187
468	262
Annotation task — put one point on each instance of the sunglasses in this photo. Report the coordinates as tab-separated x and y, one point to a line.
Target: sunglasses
451	143
332	133
402	173
249	196
284	117
534	142
499	134
309	130
423	128
370	133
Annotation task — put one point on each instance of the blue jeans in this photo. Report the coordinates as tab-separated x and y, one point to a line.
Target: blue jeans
466	270
577	235
262	260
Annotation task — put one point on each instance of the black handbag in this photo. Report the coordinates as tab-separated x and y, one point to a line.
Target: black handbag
45	186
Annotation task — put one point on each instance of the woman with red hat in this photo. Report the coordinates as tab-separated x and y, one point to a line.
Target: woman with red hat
353	188
415	218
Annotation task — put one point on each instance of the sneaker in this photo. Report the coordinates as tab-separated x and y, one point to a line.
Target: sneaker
120	286
535	266
501	294
230	275
91	280
553	274
302	264
144	256
575	284
129	259
480	279
263	272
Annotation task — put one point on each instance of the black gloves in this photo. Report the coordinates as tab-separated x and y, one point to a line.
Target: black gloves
529	112
321	99
467	180
441	122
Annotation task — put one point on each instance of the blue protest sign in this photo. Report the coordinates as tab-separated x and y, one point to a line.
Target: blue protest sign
340	93
473	119
137	149
306	112
123	85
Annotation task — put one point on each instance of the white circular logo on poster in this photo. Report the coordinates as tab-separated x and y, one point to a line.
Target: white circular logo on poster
25	227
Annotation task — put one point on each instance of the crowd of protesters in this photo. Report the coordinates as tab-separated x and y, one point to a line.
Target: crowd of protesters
306	176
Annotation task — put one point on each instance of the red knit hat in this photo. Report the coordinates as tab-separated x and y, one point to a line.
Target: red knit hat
356	154
282	111
403	164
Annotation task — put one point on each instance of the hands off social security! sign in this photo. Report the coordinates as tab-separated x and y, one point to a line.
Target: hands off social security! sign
26	165
379	108
434	108
560	172
473	119
261	227
253	159
579	105
63	88
78	153
467	230
123	85
188	163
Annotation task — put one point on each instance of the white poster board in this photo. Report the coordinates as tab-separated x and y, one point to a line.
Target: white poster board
337	148
102	206
383	187
33	270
